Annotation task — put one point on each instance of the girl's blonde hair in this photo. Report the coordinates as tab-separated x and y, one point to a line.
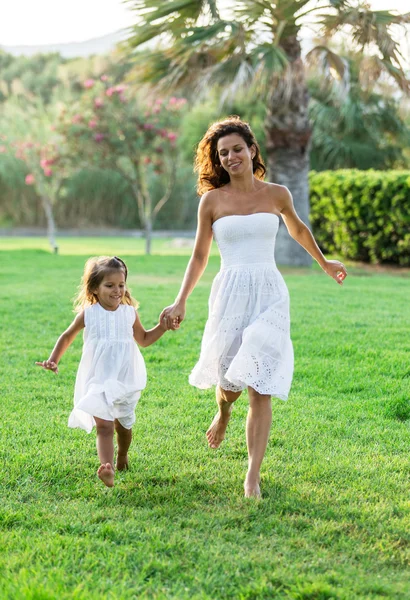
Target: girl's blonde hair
96	268
211	174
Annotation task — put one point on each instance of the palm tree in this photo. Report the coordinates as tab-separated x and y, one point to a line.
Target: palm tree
255	45
360	129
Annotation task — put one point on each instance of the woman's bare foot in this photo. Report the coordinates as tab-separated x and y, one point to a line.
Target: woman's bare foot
216	431
122	463
106	474
251	487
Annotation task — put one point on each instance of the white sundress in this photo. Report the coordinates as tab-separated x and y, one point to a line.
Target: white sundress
246	341
112	370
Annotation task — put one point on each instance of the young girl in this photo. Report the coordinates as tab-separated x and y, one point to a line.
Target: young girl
112	371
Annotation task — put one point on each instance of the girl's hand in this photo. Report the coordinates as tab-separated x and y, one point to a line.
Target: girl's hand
166	325
173	315
49	365
336	270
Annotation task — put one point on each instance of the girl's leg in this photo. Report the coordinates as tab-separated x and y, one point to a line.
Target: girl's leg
124	437
105	450
216	431
258	425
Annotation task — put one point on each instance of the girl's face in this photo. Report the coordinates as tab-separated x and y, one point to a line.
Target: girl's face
235	155
111	290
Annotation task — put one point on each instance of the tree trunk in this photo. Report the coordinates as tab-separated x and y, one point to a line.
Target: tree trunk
288	135
51	226
148	234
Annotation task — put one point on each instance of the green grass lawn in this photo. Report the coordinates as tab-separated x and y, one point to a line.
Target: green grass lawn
334	520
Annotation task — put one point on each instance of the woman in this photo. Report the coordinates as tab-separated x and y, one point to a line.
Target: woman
246	342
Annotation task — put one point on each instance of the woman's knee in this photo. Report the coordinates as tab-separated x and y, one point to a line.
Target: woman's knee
228	395
257	398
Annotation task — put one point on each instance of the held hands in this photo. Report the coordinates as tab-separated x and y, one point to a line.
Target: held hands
167	324
173	316
49	365
336	270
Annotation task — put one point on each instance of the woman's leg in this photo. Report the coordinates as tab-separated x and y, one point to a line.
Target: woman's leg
258	425
105	450
216	431
124	438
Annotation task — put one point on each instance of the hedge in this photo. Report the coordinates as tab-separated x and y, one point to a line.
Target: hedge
362	215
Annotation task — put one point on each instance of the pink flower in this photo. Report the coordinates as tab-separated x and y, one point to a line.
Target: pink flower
46	162
119	89
177	102
110	91
2	149
30	179
148	126
147	160
98	102
77	118
99	137
48	172
92	124
88	83
172	136
104	78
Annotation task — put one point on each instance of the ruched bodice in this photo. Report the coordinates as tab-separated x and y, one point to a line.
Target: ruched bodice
246	239
246	340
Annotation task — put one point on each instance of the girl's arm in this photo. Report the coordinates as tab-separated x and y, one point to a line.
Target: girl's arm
197	263
63	342
145	337
302	234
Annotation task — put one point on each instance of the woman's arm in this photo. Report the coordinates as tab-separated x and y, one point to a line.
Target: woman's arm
302	234
197	262
64	341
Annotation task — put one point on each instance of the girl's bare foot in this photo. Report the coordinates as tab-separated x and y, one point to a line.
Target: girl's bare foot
106	474
122	463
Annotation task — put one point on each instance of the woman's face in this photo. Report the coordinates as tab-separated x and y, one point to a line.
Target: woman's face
235	155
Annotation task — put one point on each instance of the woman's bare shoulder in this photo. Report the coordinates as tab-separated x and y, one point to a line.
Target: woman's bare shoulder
279	194
208	201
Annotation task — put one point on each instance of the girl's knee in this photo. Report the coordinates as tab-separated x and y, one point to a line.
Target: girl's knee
104	427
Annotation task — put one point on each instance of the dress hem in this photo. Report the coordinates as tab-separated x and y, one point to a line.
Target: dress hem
207	386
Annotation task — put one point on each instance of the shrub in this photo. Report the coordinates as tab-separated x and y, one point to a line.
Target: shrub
362	215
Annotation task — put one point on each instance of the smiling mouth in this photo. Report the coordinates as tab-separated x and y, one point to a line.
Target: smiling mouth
234	165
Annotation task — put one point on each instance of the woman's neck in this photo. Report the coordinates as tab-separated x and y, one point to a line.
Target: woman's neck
244	184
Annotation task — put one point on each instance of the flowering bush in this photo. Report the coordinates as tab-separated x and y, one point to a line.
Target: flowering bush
110	128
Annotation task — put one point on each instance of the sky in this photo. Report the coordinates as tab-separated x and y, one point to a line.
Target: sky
34	22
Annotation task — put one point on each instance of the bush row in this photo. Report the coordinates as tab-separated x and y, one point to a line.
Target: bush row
362	215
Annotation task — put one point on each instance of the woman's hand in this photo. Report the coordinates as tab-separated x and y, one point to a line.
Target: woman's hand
49	365
173	315
336	270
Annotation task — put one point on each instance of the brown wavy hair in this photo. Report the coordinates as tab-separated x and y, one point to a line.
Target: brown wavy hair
96	268
211	174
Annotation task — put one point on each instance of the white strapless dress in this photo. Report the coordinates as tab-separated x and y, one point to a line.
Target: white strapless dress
246	341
